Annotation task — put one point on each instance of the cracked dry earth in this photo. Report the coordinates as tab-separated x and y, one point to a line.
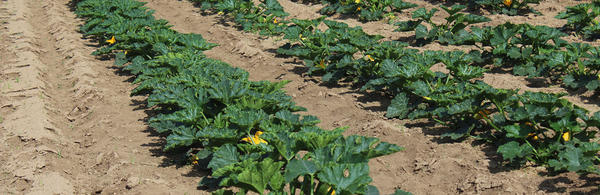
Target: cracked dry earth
69	126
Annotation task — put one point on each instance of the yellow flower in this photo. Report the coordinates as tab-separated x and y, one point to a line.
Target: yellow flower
126	52
220	13
302	38
255	139
275	20
370	58
566	136
483	114
529	124
332	191
322	64
195	162
507	2
358	9
111	40
535	137
427	98
357	1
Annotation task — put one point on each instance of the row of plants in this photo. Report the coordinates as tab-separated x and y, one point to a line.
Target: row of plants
246	133
374	10
532	126
581	19
534	51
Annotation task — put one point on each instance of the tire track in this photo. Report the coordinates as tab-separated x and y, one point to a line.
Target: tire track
27	127
67	123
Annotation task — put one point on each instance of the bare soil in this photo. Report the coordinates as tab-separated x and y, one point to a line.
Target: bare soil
69	126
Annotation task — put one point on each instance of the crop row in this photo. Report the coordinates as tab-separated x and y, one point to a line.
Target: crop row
373	10
534	51
245	132
532	126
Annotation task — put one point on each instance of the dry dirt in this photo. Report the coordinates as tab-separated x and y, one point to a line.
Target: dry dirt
68	125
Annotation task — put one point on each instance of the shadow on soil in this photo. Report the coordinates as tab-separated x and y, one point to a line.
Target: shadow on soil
556	182
177	158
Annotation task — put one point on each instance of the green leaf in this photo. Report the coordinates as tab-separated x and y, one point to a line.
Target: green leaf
401	192
181	136
263	174
247	119
371	190
120	59
356	180
518	131
398	107
223	192
405	26
512	150
225	155
297	168
573	159
227	90
421	32
313	137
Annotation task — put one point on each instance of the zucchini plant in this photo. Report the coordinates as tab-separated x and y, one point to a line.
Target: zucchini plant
509	7
367	10
453	31
581	19
247	134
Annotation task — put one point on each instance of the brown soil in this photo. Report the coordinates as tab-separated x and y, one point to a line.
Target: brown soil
68	125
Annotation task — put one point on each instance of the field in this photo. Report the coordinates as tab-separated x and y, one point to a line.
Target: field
68	124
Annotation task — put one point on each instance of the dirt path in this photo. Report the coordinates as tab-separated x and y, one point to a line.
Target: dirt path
67	123
427	166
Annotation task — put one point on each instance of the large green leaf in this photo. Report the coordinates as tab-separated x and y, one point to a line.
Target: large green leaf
225	155
262	174
297	168
513	151
352	178
398	107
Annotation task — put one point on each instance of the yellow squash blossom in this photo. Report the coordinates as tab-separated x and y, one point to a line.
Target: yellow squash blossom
566	136
275	20
357	1
483	114
535	137
358	9
255	139
507	2
220	13
529	124
195	160
301	38
322	64
111	40
332	192
427	98
370	58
